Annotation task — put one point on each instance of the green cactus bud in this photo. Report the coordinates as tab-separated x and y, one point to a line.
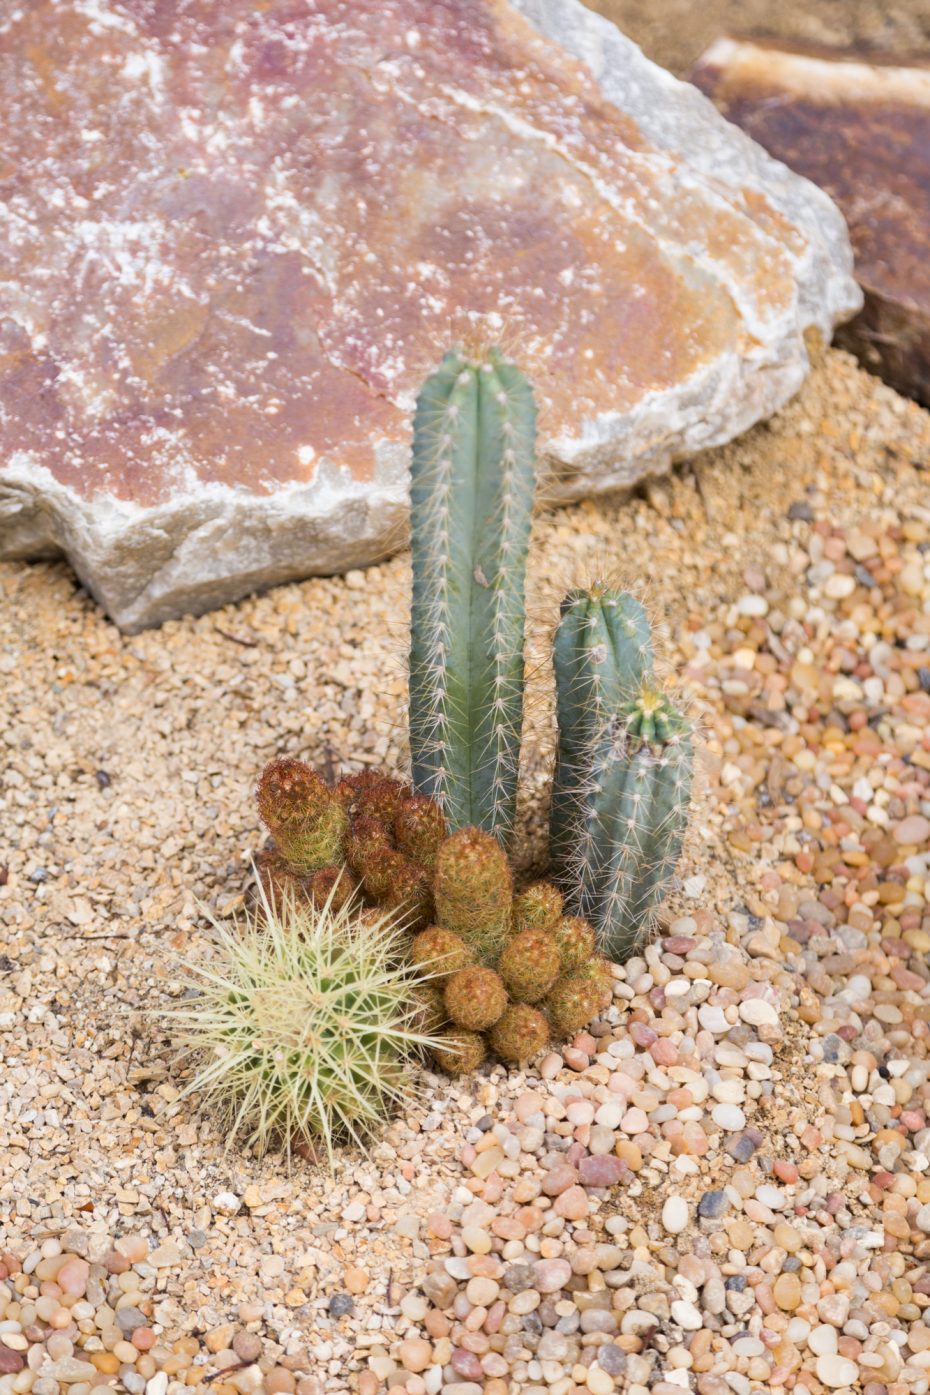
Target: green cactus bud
572	1004
603	648
475	997
519	1034
419	828
537	908
471	502
303	815
529	965
473	887
459	1052
440	952
633	819
576	941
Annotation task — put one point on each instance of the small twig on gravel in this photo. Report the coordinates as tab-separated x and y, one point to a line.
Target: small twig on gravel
240	1366
390	1285
246	643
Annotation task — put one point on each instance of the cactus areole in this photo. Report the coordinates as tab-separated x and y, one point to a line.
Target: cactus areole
473	479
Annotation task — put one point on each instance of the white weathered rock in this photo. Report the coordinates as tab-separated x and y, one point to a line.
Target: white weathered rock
224	301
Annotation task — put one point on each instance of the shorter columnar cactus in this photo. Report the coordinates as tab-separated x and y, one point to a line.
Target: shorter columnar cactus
473	887
602	651
633	817
529	965
304	817
475	998
459	1052
519	1034
440	952
537	908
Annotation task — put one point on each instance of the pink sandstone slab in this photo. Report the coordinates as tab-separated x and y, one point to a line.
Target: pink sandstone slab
859	126
234	238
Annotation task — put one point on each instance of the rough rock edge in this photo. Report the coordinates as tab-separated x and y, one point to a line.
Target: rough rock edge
221	543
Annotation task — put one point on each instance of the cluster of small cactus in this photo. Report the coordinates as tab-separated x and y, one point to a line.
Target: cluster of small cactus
499	971
622	782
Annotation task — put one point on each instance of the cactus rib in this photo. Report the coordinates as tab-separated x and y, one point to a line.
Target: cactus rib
471	508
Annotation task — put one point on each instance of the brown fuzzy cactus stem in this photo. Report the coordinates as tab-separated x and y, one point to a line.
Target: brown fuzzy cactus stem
366	844
576	941
302	813
419	828
519	1034
372	794
460	1052
440	953
430	1009
539	907
333	885
473	887
572	1004
529	965
278	883
475	998
405	888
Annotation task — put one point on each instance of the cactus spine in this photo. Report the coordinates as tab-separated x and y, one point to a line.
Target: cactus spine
471	506
633	818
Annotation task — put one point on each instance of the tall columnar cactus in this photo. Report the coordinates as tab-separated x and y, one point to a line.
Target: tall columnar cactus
472	491
603	649
632	816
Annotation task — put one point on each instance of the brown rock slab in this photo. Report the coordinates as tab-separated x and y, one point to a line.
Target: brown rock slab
234	238
859	127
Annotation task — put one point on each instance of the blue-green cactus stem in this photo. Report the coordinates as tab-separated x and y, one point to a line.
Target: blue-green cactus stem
472	492
603	650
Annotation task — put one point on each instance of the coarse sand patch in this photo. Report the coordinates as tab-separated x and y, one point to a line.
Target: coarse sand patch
724	1185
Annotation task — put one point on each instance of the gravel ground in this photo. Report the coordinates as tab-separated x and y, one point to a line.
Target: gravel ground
723	1187
675	32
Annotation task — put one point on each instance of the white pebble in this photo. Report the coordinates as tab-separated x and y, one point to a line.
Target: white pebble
758	1013
728	1116
836	1371
675	1215
822	1340
686	1315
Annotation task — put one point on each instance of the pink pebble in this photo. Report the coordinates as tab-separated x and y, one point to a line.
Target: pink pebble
641	1034
572	1205
72	1277
785	1171
663	1052
634	1121
575	1059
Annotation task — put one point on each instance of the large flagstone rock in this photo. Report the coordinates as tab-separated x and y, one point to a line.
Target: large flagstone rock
235	238
859	126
